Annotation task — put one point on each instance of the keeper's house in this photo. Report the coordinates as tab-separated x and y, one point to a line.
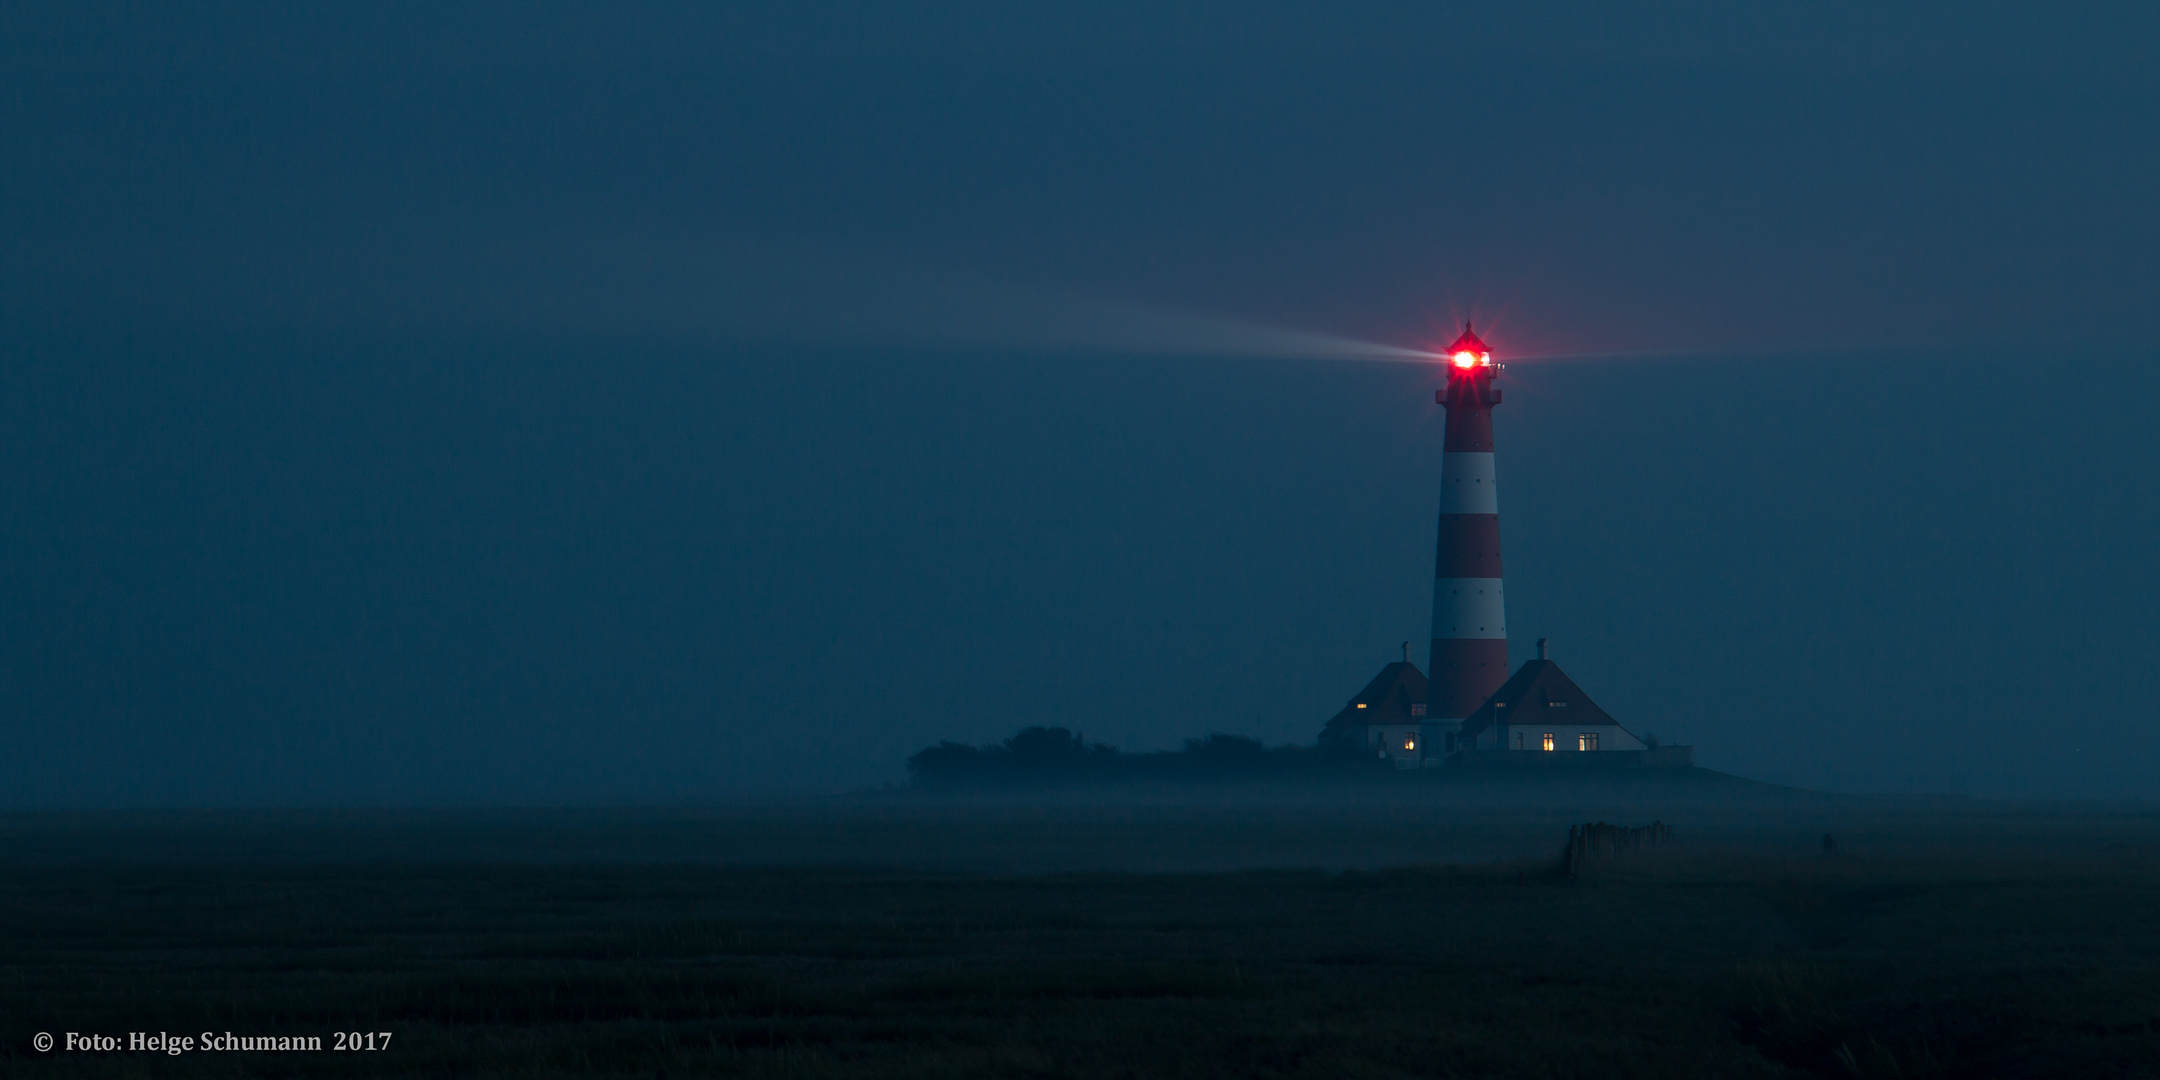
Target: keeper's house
1538	717
1388	718
1539	708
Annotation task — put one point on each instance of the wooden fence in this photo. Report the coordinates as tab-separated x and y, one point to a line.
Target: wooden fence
1598	840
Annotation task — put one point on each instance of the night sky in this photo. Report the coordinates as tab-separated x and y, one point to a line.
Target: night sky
540	404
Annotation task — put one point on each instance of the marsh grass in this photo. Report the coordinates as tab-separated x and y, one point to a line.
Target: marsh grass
1727	960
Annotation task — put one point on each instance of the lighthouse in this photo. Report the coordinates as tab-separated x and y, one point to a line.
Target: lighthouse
1469	657
1416	718
1465	708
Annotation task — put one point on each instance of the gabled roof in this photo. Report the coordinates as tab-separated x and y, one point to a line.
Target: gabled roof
1538	693
1386	699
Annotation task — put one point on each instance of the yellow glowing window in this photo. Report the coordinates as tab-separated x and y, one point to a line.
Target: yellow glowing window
1548	740
1586	741
1360	704
1409	743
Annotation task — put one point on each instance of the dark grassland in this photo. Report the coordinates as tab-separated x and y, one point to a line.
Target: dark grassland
1008	940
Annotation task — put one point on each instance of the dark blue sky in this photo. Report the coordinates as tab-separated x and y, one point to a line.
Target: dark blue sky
536	403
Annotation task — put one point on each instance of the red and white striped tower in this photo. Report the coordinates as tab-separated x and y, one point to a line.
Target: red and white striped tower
1469	635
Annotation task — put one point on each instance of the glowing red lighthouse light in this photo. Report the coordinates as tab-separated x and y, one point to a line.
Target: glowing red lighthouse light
1468	352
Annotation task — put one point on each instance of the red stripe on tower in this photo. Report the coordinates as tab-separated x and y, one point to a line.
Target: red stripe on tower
1469	636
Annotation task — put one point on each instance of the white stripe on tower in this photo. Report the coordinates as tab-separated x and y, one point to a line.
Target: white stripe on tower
1469	607
1468	484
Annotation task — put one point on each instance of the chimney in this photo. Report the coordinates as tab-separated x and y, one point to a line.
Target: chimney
1541	648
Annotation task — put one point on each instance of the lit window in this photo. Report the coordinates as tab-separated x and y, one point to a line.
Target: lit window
1417	710
1360	704
1586	741
1548	740
1409	742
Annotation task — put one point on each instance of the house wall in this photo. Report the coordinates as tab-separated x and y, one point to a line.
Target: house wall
1439	740
1389	739
1610	737
1538	759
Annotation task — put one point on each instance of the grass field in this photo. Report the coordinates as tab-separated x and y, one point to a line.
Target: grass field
1401	937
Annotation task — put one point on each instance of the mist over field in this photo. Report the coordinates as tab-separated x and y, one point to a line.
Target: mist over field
1222	829
1247	934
